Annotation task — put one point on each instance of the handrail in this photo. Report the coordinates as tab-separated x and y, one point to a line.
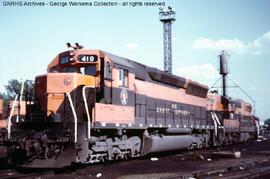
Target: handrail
75	117
87	111
215	123
10	115
20	102
218	122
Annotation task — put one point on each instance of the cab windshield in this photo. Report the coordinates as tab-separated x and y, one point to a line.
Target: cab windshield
69	70
88	70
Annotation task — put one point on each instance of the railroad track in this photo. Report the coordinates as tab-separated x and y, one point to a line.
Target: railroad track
240	170
255	161
12	173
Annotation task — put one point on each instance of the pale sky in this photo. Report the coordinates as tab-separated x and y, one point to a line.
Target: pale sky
32	36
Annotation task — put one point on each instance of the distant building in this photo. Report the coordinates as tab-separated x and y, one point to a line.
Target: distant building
1	109
19	110
3	123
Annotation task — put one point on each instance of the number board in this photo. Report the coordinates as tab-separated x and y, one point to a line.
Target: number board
87	58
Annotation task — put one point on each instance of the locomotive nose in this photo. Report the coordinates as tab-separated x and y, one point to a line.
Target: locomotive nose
52	89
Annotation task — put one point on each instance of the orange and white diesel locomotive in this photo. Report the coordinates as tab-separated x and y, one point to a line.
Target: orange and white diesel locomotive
94	106
233	119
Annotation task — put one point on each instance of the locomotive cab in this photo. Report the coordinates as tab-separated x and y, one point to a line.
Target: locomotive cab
87	75
68	75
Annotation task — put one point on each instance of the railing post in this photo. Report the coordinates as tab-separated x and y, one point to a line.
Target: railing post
10	115
75	117
20	102
87	111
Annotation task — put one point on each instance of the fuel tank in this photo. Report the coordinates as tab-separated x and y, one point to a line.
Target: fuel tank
155	143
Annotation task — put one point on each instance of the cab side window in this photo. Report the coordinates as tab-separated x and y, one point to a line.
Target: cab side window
123	77
108	72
